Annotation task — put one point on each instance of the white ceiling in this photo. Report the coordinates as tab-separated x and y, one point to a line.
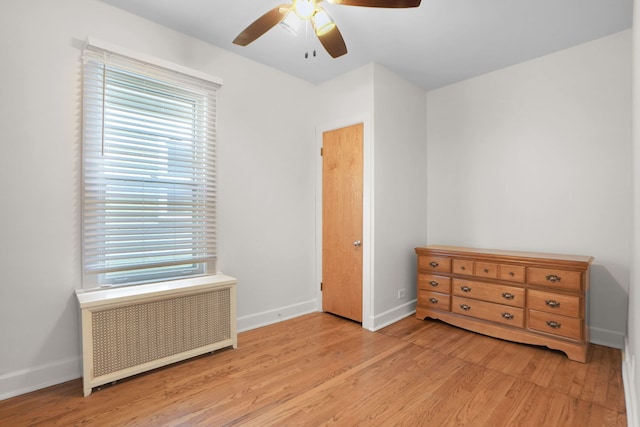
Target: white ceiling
438	43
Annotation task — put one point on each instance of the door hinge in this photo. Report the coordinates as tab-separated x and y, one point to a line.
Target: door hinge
321	286
321	151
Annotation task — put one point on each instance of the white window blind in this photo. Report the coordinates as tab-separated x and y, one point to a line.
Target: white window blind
149	183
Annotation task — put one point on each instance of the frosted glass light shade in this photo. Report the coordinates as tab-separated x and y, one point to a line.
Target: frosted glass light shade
323	23
291	23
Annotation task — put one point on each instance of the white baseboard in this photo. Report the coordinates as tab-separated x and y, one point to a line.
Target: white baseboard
27	380
265	318
630	396
606	337
393	315
269	317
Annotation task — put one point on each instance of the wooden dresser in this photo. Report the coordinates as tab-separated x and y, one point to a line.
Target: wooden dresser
532	298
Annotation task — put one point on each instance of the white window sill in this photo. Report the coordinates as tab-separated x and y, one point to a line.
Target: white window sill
95	299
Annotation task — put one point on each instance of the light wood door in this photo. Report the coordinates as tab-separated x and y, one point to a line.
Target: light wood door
342	174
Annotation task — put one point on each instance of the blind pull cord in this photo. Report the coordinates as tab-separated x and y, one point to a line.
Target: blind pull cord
104	94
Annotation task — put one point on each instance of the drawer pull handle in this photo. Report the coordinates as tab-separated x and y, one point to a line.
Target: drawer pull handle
463	268
507	316
433	283
465	307
433	264
433	300
507	295
465	288
552	324
511	273
551	303
486	270
553	278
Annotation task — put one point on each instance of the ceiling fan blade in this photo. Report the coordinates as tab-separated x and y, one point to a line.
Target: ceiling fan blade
262	25
333	43
378	3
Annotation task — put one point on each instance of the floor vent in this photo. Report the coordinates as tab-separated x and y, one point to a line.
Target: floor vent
131	330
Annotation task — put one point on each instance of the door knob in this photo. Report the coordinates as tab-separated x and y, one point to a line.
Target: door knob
357	243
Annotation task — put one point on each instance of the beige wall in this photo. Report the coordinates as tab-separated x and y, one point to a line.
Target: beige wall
400	205
536	157
630	373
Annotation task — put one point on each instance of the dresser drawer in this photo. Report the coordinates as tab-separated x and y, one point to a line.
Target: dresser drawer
492	292
463	266
504	314
511	273
432	263
486	269
555	324
431	282
433	300
563	279
566	305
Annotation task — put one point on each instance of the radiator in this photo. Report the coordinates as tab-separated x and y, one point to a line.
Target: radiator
126	331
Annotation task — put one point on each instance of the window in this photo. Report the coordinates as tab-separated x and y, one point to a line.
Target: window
148	171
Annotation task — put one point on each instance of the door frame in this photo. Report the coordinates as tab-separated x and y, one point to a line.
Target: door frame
367	213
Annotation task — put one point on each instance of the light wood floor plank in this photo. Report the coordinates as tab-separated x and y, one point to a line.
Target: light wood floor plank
516	401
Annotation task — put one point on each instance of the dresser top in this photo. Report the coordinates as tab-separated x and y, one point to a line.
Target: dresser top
507	254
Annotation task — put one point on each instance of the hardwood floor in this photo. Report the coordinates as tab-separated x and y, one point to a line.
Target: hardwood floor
320	369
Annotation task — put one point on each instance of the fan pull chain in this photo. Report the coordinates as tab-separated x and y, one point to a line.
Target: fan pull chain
306	36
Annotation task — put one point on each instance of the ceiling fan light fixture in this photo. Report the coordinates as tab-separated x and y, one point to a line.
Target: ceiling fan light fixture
326	30
323	23
304	8
291	23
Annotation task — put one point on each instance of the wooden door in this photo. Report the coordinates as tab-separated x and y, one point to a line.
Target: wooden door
342	175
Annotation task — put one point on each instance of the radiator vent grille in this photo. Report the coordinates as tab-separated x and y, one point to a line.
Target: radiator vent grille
131	335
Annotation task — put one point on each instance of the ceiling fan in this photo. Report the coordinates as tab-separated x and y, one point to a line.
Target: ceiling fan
290	15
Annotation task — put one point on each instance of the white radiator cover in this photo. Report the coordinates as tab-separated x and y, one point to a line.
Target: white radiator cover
126	331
